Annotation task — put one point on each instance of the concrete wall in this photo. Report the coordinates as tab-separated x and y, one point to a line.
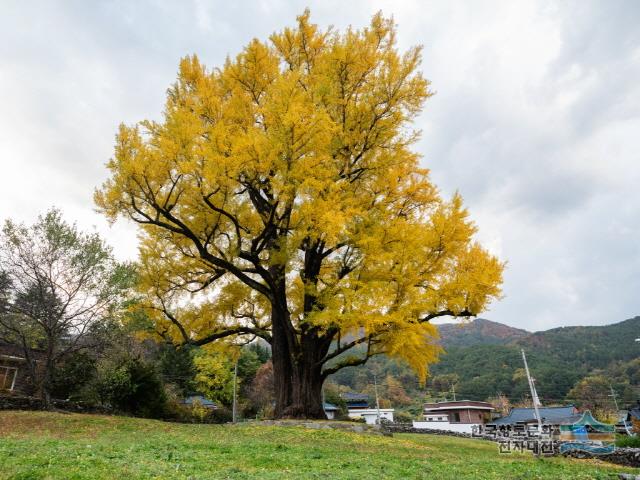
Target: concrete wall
450	427
371	414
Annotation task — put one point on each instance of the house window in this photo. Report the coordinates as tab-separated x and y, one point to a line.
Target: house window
455	417
7	377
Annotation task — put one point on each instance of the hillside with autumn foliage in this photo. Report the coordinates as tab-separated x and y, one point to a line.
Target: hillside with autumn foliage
482	360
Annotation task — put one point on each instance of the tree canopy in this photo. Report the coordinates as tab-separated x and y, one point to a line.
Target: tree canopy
280	197
58	288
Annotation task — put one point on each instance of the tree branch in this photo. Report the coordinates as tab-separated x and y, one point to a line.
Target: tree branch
447	313
345	347
350	362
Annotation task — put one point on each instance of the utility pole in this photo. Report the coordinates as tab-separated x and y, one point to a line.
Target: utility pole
615	399
453	390
534	394
235	384
375	385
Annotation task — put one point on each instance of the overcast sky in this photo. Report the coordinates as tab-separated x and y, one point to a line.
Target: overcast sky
536	122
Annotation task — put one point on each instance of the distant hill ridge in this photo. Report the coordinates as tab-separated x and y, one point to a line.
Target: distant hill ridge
478	332
485	355
616	340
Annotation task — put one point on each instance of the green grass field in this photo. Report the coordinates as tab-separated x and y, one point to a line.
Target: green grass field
37	445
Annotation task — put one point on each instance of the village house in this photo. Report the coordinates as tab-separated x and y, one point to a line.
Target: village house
14	378
330	410
355	401
358	407
522	421
627	418
455	416
548	415
371	415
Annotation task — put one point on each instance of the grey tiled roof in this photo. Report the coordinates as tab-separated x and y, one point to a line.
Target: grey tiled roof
554	415
348	396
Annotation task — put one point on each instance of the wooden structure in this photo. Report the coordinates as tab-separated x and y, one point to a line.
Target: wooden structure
14	376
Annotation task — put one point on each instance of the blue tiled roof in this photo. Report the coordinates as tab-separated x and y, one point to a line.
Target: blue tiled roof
330	406
204	401
547	414
354	404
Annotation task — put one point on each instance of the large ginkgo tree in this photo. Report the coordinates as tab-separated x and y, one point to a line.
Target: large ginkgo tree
280	198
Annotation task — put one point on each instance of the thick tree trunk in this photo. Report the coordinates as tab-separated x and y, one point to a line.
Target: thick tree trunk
306	390
297	374
297	356
281	358
298	389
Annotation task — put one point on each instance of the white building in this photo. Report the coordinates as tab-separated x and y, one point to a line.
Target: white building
330	410
371	414
457	416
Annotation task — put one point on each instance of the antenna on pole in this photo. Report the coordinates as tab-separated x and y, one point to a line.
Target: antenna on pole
534	394
235	383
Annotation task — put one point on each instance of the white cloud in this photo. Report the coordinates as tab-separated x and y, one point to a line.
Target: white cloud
535	122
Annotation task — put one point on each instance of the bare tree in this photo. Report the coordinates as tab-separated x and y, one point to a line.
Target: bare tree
58	287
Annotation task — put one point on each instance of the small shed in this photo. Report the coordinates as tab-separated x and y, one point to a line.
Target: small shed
330	410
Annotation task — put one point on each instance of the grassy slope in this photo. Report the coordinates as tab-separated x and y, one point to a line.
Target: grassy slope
46	445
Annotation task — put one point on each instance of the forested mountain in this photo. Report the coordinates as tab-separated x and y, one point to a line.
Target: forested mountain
478	332
483	359
587	347
558	359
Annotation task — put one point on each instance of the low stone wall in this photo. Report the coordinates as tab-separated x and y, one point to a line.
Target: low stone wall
14	402
357	427
409	428
629	457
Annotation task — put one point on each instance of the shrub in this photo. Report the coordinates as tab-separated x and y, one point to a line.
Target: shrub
132	386
628	441
220	415
199	411
70	379
402	417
